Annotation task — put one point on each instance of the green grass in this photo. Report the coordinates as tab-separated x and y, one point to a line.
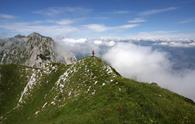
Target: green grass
90	92
12	81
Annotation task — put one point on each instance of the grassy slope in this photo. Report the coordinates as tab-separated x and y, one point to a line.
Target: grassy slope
94	93
13	78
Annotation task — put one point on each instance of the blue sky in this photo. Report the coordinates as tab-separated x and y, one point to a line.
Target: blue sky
154	19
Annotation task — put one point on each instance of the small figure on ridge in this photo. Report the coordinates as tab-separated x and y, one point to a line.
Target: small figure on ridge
93	53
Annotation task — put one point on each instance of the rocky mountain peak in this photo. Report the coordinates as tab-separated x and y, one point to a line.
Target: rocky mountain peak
36	37
34	50
35	34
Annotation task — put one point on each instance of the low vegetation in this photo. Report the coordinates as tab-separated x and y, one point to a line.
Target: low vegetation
86	92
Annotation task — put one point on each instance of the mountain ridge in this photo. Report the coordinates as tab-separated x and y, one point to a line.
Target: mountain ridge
89	91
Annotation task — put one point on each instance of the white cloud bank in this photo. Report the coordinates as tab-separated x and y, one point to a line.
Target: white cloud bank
73	41
144	64
137	62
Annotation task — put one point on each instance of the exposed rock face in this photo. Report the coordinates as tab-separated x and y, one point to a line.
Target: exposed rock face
33	50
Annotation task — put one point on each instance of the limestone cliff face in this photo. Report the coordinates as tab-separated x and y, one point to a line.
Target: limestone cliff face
33	50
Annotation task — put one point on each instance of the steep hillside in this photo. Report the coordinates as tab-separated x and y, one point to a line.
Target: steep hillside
88	91
33	50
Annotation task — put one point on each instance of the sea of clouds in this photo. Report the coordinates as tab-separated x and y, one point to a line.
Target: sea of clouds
142	63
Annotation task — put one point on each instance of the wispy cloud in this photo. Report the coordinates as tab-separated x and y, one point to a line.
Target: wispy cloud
65	22
116	13
67	27
186	21
120	12
6	16
126	26
137	20
56	28
163	35
29	27
97	27
156	11
102	27
55	11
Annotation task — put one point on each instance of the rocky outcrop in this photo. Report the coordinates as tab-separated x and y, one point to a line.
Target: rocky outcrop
33	50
